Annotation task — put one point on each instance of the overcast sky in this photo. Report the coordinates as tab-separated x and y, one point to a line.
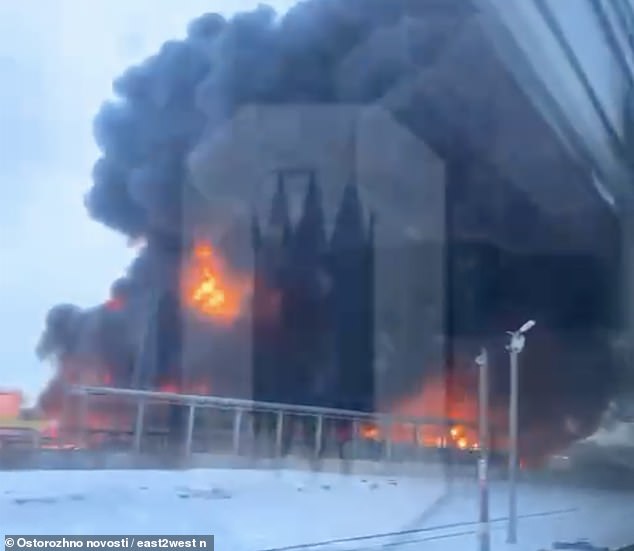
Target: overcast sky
57	61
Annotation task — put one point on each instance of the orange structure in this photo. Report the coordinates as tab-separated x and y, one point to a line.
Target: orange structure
10	404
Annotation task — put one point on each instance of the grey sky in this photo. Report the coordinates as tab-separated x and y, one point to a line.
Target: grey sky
57	62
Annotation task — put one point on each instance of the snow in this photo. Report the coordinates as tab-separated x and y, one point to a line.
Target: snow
256	510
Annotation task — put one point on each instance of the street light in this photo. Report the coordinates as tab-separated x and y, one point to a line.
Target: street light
515	347
482	361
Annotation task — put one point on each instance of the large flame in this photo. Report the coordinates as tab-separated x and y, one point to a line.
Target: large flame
457	403
210	288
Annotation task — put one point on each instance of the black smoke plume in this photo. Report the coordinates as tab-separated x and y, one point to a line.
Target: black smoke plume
166	105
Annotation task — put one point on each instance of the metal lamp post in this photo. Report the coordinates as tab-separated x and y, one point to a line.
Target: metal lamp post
515	347
484	530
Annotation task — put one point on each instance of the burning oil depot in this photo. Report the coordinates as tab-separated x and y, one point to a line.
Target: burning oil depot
348	238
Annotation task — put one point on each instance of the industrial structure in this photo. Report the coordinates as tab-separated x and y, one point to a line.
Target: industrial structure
312	304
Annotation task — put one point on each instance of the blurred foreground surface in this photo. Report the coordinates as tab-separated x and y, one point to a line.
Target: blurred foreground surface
256	510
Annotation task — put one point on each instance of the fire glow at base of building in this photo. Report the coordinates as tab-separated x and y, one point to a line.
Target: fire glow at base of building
300	308
102	423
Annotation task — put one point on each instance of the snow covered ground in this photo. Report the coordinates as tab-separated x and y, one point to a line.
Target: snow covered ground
257	510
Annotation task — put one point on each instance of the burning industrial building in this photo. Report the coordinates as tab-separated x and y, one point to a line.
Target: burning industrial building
338	206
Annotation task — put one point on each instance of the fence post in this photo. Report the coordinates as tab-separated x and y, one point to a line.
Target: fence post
417	445
355	439
237	428
63	435
319	435
386	425
83	429
138	426
279	433
191	418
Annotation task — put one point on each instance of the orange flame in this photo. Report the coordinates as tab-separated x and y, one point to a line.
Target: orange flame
432	435
369	432
210	288
439	400
458	403
200	388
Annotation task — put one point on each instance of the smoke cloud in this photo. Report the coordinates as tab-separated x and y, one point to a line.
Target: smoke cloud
166	105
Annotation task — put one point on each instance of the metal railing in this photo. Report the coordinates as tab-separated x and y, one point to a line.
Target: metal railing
276	417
